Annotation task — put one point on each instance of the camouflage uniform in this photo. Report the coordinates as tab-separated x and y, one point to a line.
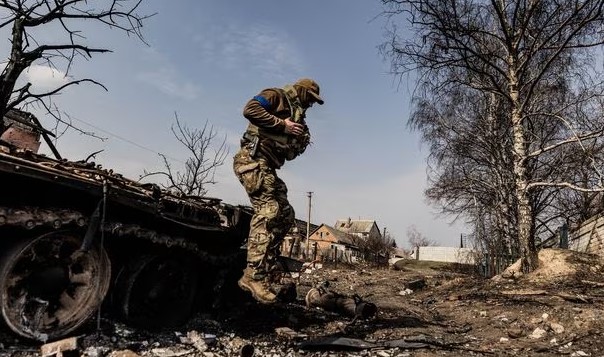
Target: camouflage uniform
264	148
273	215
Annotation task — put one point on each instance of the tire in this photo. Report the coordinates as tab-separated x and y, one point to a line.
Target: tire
49	287
156	290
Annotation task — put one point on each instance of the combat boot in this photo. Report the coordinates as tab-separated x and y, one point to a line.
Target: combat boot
259	289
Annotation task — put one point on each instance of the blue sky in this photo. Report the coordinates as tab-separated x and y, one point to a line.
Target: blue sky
205	59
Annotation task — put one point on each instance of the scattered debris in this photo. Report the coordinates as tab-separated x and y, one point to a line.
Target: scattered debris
289	334
416	284
58	348
556	327
516	333
337	344
485	317
198	340
538	333
575	298
168	352
405	292
122	353
331	301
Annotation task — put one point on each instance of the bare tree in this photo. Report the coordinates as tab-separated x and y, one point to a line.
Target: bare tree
373	248
531	63
389	240
417	239
28	19
200	167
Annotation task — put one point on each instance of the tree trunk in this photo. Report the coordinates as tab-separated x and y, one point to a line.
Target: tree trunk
14	67
528	252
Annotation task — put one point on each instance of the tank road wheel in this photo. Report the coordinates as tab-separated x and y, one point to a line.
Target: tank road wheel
48	287
156	290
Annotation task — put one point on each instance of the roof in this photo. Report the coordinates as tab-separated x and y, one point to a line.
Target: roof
341	237
302	225
354	226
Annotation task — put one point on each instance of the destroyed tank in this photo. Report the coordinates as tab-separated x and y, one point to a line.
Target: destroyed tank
75	236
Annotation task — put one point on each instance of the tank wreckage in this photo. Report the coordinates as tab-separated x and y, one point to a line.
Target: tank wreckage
75	236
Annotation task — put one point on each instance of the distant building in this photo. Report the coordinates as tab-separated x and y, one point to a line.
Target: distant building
330	244
294	244
367	238
362	228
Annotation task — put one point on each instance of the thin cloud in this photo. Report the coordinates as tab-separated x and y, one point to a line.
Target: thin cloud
165	77
257	48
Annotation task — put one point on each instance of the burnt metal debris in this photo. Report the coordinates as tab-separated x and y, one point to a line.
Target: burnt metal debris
74	235
352	306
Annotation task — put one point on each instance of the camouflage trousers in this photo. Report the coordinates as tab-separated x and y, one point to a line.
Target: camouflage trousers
273	215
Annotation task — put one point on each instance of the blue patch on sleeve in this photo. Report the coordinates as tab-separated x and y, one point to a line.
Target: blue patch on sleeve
263	102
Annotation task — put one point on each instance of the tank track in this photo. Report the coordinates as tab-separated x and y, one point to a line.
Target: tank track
34	217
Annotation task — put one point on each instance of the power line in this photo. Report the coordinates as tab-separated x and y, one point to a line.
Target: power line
119	137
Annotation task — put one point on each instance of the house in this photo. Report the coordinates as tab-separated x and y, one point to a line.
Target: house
330	244
294	243
362	228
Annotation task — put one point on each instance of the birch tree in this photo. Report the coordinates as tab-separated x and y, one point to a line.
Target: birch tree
525	68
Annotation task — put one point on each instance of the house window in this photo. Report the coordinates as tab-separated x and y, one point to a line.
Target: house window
326	233
342	225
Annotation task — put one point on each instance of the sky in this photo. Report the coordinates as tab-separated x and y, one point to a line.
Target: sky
203	60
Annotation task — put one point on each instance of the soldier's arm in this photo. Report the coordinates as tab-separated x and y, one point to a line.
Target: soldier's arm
259	111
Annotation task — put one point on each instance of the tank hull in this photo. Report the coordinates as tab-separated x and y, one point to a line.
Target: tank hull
75	236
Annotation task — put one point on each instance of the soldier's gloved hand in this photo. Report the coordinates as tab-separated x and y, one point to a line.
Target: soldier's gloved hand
293	127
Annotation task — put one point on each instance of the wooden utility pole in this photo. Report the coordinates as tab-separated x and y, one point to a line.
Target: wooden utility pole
309	194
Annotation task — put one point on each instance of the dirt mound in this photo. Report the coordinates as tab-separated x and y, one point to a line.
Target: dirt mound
556	265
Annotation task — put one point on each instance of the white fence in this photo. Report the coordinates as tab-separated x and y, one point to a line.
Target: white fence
446	254
589	237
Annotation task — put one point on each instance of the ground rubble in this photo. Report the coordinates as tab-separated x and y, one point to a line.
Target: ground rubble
423	310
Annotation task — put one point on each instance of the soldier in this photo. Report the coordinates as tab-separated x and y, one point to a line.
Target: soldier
277	132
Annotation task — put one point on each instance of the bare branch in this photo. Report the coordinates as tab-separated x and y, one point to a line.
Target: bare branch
29	18
564	185
199	169
512	107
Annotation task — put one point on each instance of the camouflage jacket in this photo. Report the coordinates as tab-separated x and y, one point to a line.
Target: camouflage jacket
266	113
